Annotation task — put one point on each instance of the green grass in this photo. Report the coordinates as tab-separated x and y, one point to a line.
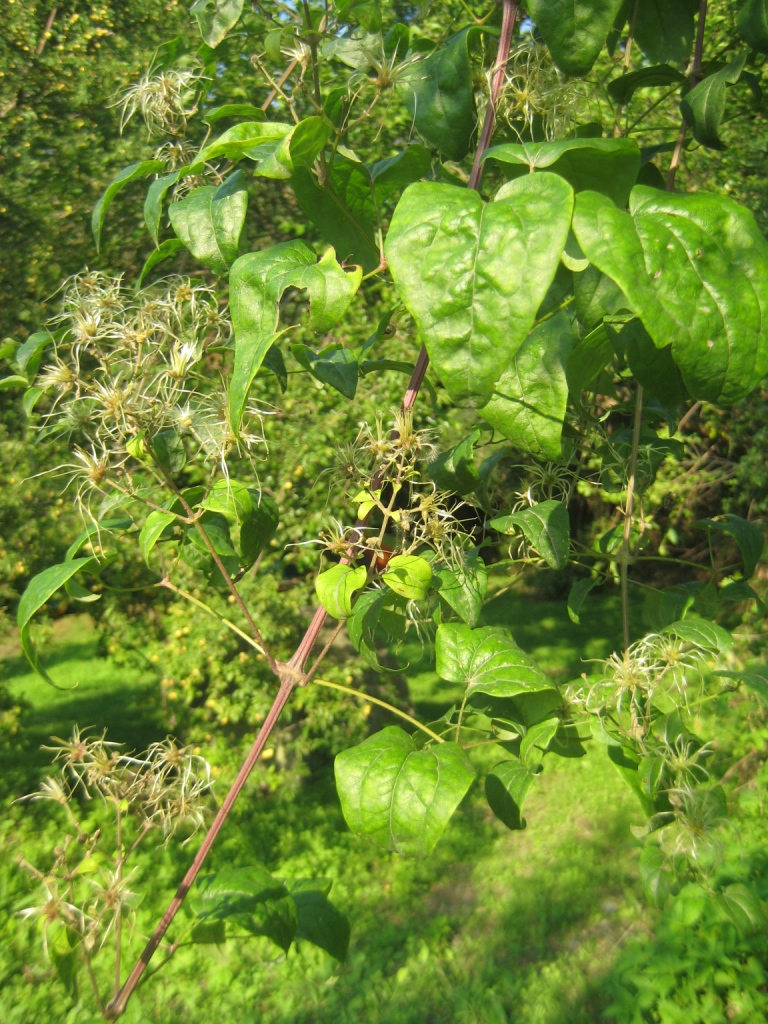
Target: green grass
546	926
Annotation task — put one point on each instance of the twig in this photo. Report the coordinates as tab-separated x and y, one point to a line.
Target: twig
382	704
628	512
118	1004
290	674
695	70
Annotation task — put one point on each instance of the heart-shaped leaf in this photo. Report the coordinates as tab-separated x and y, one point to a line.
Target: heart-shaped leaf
704	106
401	797
486	660
473	275
463	589
705	285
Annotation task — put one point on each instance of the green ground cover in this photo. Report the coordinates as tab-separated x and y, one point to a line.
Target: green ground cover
547	926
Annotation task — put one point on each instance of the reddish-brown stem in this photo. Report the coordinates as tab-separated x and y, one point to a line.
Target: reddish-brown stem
292	673
695	71
508	19
117	1006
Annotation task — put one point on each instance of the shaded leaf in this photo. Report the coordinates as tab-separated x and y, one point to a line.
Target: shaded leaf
743	907
506	787
318	920
259	528
339	226
333	365
578	595
439	96
752	24
252	898
622	89
455	470
546	528
574	32
530	399
664	29
463	589
748	536
170	247
701	633
609	166
133	172
704	106
154	525
153	206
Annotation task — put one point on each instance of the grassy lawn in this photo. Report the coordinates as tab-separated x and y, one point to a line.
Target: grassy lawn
532	927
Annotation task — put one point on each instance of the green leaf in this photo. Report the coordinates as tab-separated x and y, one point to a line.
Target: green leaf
529	403
455	470
450	255
154	525
596	297
339	226
239	110
622	89
578	595
536	741
664	29
170	247
752	24
29	355
506	786
375	609
401	797
318	920
257	282
439	96
336	587
743	907
653	367
574	32
254	139
133	172
463	589
487	661
333	365
252	898
701	633
168	449
409	576
231	499
546	528
30	399
216	529
153	204
587	360
216	18
609	166
14	381
748	536
39	590
704	106
753	680
695	270
259	528
105	525
209	221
